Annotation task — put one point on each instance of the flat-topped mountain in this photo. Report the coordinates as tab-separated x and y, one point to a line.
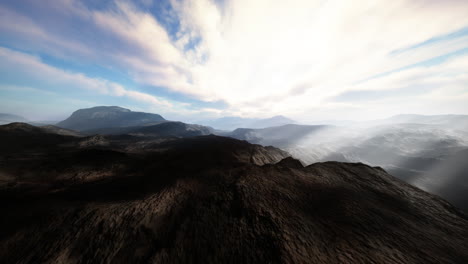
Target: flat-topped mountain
130	199
106	117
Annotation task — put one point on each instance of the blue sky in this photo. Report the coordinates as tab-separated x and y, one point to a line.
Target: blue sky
193	60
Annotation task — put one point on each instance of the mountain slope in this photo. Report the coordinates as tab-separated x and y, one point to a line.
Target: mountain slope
61	131
233	122
17	137
278	136
166	129
9	118
218	200
107	116
408	151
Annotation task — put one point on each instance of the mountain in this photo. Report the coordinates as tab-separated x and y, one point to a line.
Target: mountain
232	122
408	151
272	121
106	117
213	199
279	136
166	129
427	156
61	131
459	122
9	118
448	178
16	137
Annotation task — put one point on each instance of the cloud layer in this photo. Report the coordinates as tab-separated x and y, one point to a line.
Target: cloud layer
307	59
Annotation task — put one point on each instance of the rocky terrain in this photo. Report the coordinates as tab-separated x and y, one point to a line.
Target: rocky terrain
210	199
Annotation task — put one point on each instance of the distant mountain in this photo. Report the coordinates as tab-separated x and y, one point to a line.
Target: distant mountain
448	121
408	151
106	117
213	199
10	118
232	122
279	136
272	121
166	129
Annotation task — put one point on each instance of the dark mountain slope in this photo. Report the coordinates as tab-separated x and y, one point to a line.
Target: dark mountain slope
61	131
218	200
166	129
107	116
18	137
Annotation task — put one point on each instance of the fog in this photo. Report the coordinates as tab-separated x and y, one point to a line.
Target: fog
430	155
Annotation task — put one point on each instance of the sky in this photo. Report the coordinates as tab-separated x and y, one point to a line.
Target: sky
203	59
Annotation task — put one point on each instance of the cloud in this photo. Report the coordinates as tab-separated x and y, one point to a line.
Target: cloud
31	67
272	57
24	31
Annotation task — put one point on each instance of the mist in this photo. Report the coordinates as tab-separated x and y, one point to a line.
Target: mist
425	151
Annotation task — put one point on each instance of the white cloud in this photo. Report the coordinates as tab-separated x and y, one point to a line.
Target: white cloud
33	68
27	31
283	57
264	56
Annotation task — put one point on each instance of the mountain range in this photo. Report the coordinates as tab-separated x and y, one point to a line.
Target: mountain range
151	199
111	173
233	122
409	151
459	122
415	148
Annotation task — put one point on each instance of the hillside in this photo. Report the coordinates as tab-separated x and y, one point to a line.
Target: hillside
279	136
415	153
215	200
165	129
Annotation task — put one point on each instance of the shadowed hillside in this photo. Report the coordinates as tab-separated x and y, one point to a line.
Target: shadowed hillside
129	199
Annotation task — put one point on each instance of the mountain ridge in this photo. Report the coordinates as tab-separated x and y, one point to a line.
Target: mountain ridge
234	122
214	199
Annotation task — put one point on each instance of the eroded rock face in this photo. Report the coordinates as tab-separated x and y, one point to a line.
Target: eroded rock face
218	200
